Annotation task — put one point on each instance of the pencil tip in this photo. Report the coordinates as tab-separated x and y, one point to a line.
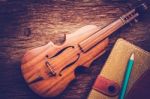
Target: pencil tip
132	56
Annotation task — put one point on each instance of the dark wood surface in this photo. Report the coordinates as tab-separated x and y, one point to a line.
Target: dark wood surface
28	24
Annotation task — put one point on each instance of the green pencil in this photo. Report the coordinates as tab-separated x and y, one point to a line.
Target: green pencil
126	76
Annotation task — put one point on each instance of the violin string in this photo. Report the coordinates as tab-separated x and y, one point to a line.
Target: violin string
66	58
56	65
116	26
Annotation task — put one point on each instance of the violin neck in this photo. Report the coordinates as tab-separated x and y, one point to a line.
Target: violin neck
101	34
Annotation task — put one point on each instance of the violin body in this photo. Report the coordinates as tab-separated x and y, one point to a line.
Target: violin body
49	69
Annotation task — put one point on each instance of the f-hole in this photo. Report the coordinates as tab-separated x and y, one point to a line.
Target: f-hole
78	56
51	71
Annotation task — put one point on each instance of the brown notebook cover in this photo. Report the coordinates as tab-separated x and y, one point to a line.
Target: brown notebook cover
109	81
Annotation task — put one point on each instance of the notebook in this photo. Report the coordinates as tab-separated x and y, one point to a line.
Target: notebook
109	81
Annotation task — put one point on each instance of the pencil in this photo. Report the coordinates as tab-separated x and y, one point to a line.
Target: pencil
126	76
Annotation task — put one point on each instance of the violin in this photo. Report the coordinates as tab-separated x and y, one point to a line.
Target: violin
50	68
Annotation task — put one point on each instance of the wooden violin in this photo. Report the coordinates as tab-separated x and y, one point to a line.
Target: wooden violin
49	69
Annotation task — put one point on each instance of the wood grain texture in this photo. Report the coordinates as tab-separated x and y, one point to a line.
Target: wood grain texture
49	69
28	24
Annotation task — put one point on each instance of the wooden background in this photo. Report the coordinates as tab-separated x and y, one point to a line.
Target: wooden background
28	24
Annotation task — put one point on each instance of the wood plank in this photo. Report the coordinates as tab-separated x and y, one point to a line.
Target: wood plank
28	24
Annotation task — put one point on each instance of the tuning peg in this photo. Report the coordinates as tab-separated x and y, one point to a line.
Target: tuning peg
135	20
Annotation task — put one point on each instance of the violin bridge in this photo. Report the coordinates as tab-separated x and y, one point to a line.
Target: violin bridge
50	70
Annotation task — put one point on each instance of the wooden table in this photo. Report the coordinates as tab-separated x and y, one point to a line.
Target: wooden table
28	24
